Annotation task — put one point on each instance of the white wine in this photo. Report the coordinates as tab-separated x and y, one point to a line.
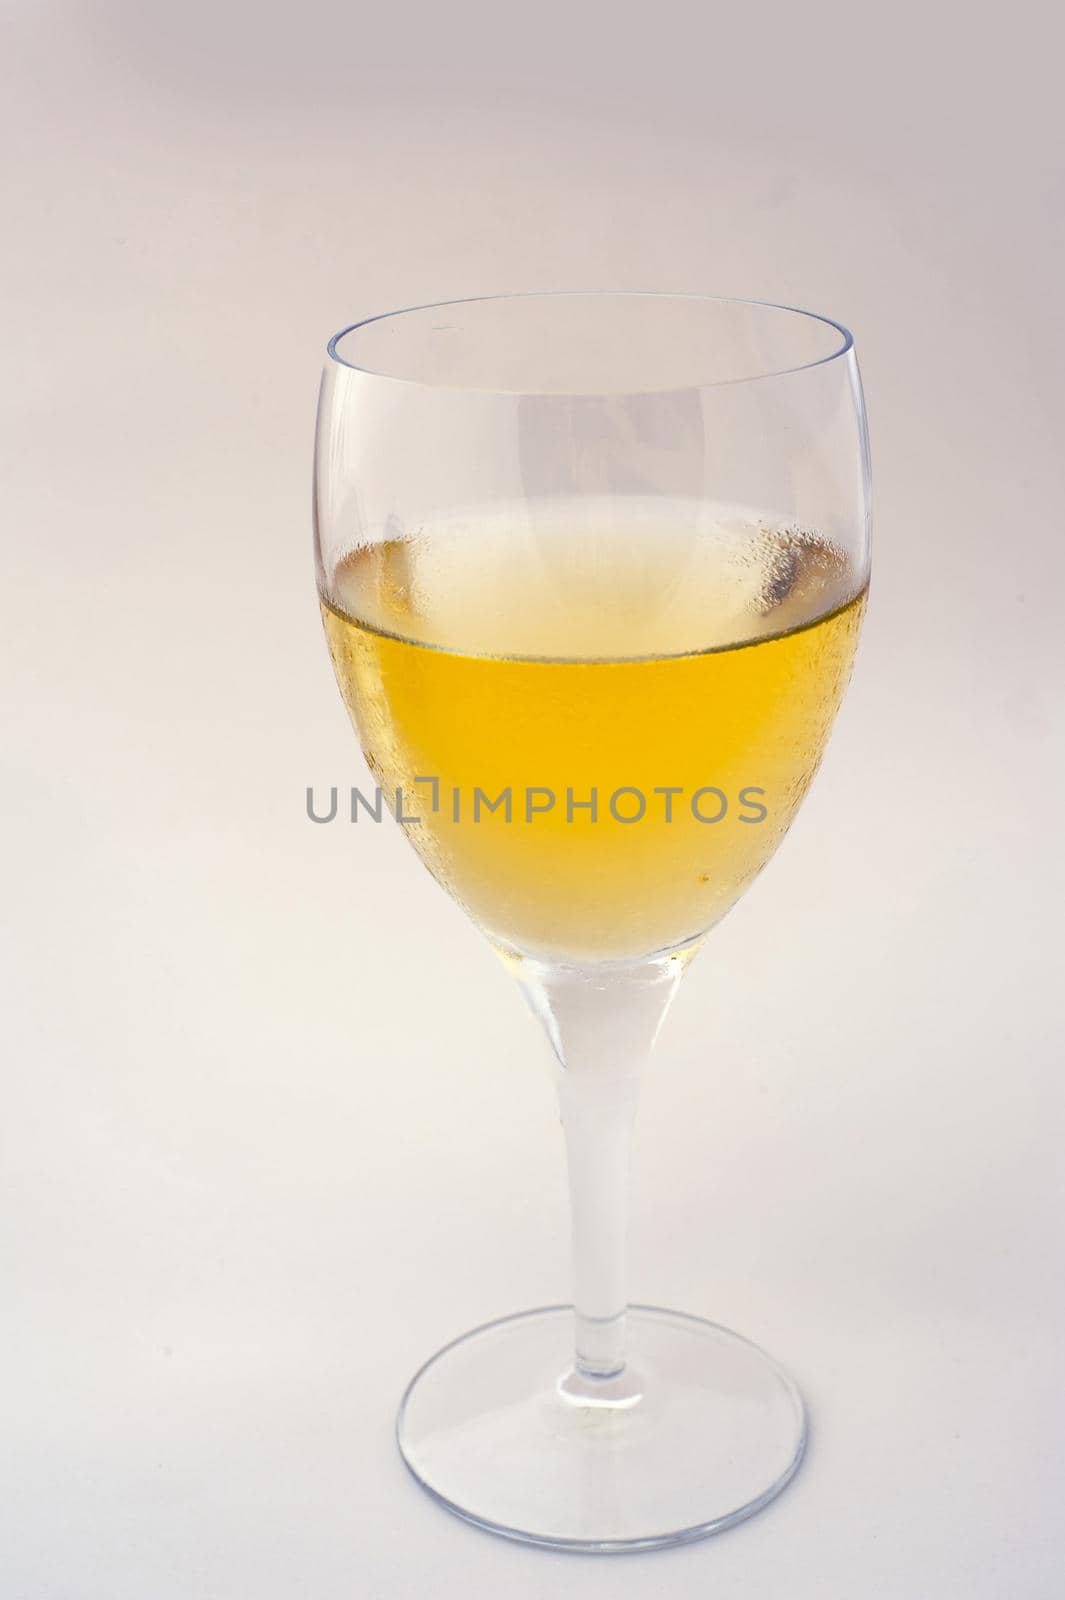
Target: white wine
600	734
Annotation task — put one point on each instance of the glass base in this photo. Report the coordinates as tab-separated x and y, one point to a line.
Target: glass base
700	1430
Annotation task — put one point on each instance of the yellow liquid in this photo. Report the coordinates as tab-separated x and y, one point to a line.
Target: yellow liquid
705	659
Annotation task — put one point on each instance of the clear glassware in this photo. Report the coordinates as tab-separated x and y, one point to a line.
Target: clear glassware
592	571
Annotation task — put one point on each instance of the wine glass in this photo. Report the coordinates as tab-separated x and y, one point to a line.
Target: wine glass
592	570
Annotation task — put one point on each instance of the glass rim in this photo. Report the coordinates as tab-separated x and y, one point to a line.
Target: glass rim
844	348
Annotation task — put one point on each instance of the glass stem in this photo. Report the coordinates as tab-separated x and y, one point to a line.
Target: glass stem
602	1022
598	1108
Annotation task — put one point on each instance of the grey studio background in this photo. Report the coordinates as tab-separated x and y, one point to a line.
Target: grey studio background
275	1123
